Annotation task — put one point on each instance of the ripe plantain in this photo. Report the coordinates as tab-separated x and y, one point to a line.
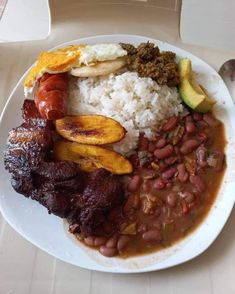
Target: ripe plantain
90	129
91	157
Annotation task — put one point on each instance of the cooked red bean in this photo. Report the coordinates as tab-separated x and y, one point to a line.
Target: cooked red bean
188	197
197	116
122	243
201	155
190	127
197	182
171	160
143	143
151	147
202	136
160	143
171	199
186	137
152	235
108	252
170	124
112	242
209	119
94	241
182	173
201	124
189	146
89	241
169	173
159	184
177	150
99	241
134	183
132	203
188	118
164	152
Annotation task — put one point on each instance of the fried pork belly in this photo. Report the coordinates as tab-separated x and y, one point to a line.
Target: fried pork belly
28	149
29	110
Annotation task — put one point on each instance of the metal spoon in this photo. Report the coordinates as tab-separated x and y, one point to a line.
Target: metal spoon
227	72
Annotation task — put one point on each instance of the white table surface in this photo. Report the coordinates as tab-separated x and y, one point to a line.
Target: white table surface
24	269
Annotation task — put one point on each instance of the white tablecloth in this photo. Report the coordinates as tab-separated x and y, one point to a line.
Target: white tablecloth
24	269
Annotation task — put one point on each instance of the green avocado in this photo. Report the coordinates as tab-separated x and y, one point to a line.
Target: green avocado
190	91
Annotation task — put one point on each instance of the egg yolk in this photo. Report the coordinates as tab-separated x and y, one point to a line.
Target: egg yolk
60	60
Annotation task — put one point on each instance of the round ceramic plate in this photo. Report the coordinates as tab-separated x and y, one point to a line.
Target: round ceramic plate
49	233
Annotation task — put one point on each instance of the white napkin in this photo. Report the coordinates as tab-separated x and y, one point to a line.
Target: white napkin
24	20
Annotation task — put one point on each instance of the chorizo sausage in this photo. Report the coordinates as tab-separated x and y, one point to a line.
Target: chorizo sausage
51	95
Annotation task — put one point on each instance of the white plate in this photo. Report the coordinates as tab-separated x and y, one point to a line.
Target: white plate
48	232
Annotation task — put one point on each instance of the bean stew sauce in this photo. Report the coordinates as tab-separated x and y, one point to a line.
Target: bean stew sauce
175	180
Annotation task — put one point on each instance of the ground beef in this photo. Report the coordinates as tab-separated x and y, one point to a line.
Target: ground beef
148	61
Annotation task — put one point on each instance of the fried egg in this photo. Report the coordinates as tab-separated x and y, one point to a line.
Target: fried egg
67	58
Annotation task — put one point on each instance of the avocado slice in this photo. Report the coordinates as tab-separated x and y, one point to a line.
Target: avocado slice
185	68
190	91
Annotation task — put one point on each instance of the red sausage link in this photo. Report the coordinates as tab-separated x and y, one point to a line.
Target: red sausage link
189	146
198	183
164	152
170	124
51	95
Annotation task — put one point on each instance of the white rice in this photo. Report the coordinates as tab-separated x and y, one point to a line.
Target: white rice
139	104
